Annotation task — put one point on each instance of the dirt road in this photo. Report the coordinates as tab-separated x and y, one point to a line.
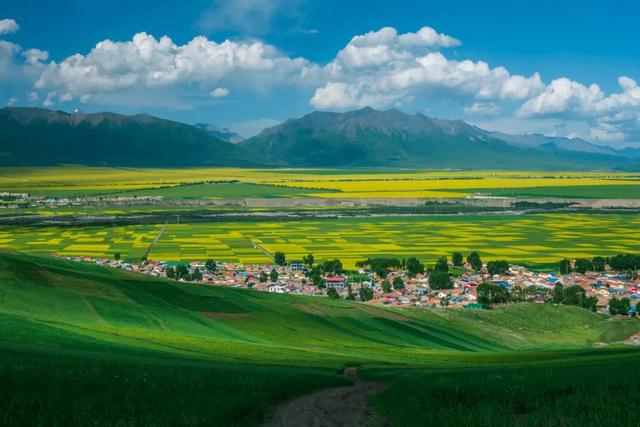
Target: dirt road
338	406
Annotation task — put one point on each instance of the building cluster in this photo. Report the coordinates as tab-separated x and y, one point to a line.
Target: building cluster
535	287
24	200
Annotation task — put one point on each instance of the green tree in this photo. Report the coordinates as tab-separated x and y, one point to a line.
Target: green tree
398	283
440	280
350	296
497	267
457	259
182	272
308	260
210	265
565	266
441	264
318	280
619	306
558	293
279	258
598	264
414	266
474	260
366	293
490	294
386	286
332	293
583	265
263	277
170	272
574	295
196	275
116	256
273	275
333	266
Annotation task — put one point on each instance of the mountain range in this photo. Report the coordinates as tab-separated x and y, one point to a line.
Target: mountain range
362	138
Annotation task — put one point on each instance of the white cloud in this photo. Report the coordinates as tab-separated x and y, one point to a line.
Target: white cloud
35	56
483	109
155	63
219	92
8	26
248	16
12	101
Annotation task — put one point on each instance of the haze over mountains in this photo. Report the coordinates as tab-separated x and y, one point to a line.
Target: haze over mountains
361	138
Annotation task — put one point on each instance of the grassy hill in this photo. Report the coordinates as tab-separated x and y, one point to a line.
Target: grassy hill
79	342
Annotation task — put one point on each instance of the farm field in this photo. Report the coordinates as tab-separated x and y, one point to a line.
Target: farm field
75	181
539	239
118	347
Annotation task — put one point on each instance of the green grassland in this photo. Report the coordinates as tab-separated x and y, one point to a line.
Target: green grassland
80	344
535	239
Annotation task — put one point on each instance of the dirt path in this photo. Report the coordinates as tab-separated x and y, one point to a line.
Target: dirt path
338	406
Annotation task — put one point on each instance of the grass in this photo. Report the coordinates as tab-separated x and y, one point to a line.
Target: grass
587	390
227	191
80	344
630	191
533	239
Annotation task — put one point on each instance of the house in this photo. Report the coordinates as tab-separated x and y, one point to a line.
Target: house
336	281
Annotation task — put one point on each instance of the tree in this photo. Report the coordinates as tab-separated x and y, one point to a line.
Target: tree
116	256
308	260
598	264
386	286
440	280
318	281
441	264
497	267
414	266
366	293
490	294
619	306
583	265
457	259
210	265
474	260
558	293
350	296
333	266
170	272
565	266
182	272
398	283
196	275
332	293
273	275
279	258
574	295
263	277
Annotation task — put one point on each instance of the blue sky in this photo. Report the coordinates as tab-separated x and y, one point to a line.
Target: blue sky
517	67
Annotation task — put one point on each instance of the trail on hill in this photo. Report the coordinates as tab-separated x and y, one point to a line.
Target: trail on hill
337	406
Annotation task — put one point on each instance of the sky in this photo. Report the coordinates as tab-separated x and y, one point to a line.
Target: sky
562	68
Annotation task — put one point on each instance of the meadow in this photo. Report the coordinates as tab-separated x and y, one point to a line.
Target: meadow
537	239
85	345
71	181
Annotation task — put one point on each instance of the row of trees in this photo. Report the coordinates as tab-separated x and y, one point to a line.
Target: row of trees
573	295
620	262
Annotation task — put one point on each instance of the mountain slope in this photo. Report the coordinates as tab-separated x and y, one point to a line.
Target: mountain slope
220	133
31	136
368	137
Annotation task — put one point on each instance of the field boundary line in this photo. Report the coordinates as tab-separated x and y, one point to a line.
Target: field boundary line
150	248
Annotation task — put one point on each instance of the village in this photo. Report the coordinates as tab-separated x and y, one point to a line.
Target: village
399	288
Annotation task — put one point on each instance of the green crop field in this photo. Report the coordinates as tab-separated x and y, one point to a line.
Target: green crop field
85	345
537	239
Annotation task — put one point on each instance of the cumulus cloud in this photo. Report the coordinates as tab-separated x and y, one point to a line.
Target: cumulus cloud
383	67
220	92
8	26
155	63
